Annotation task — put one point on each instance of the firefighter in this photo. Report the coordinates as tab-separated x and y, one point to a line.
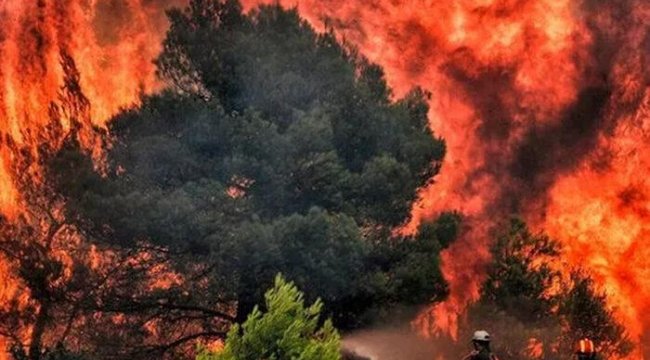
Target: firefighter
585	349
481	343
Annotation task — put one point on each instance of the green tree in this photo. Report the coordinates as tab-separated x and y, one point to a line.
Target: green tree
585	315
525	298
286	330
275	149
516	304
520	274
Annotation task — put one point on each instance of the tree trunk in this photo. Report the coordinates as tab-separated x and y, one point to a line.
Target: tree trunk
244	307
35	346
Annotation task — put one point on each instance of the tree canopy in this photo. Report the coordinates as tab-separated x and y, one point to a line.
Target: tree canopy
275	149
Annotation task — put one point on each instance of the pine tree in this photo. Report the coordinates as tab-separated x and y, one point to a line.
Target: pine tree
287	330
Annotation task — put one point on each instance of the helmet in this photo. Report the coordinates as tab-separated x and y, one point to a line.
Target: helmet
481	335
585	346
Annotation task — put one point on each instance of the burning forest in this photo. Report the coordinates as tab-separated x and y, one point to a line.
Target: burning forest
455	165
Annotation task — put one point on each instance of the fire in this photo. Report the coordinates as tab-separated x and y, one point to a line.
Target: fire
106	47
605	226
510	78
112	44
535	348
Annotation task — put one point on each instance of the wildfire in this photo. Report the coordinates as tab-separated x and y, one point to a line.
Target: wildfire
108	46
544	108
605	226
112	44
535	348
544	105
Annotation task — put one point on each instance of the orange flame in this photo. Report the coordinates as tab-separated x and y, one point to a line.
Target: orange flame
535	348
497	69
112	43
500	70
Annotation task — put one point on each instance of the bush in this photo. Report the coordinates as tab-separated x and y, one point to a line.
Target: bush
287	330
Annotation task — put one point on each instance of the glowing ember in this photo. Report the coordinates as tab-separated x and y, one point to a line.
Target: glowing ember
535	348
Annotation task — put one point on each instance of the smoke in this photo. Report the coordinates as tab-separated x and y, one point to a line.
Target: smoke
512	339
389	343
544	108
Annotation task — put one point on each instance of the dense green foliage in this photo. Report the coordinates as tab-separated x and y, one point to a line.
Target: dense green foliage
305	121
276	149
525	297
285	330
